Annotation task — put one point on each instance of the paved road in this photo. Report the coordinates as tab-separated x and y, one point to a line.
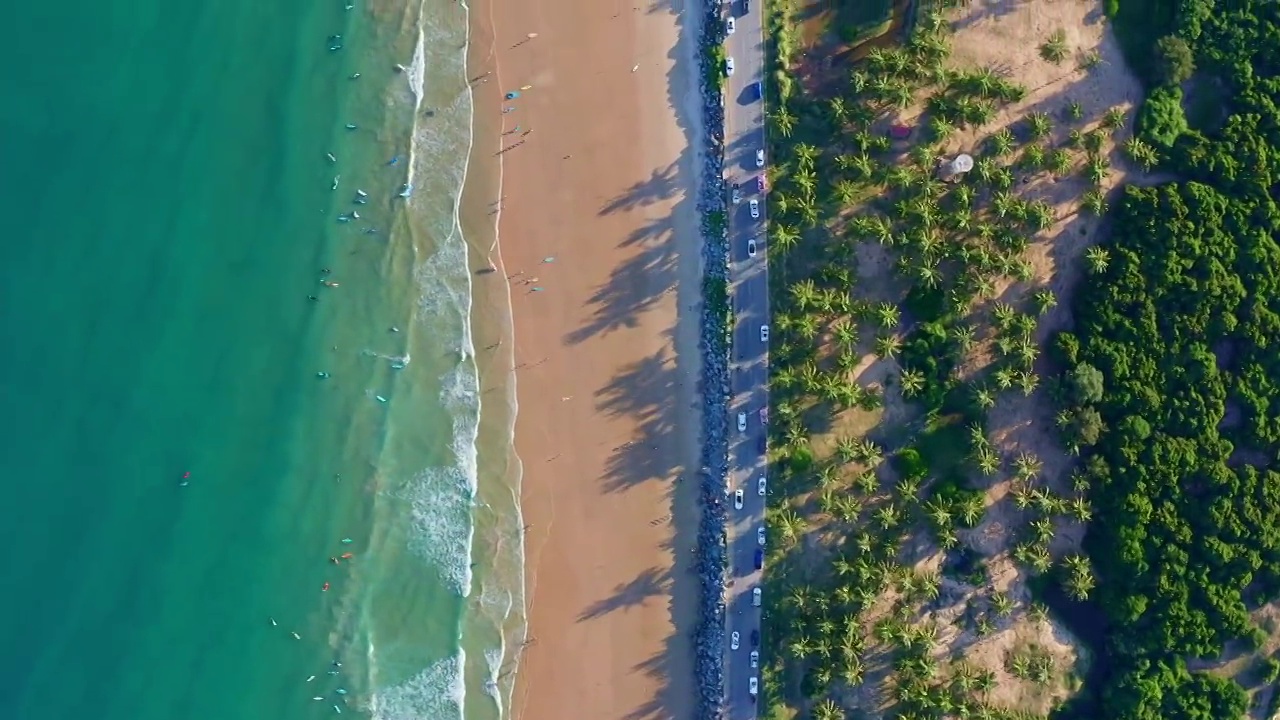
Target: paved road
744	135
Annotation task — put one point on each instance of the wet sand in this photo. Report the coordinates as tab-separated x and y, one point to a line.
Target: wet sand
600	251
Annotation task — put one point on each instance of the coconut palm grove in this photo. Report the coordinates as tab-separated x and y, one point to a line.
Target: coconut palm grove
1026	417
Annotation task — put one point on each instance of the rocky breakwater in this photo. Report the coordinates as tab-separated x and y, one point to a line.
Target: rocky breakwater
712	550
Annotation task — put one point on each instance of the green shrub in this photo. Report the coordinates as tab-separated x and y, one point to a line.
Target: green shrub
910	465
1161	120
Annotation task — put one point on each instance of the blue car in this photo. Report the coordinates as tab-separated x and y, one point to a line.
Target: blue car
757	90
759	559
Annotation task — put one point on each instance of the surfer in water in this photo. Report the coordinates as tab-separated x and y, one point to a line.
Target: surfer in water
186	477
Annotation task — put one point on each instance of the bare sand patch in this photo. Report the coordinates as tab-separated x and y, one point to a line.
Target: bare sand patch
600	251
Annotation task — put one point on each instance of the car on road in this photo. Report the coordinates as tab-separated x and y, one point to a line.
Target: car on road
746	6
760	183
760	536
755	638
738	497
756	597
762	485
757	90
755	208
751	248
759	155
762	445
728	66
742	422
759	556
764	416
736	195
729	26
734	641
755	659
753	686
764	333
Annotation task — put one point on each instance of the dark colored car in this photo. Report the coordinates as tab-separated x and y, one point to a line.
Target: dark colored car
746	6
757	90
759	559
760	445
755	638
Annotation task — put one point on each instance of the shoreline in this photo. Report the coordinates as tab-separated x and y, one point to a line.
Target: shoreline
550	351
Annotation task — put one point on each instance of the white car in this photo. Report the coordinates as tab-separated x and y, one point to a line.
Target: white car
756	597
736	196
729	26
755	659
728	66
762	485
734	642
751	248
760	535
753	686
760	152
764	333
742	422
737	499
755	208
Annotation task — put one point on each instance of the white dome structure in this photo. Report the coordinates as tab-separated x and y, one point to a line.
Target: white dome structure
955	168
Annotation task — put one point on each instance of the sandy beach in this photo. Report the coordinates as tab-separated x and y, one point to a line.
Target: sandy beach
599	247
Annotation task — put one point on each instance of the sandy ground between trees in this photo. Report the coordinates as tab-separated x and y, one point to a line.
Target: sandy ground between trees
604	348
1005	36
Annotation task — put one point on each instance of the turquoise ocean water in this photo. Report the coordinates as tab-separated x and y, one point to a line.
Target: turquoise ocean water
170	208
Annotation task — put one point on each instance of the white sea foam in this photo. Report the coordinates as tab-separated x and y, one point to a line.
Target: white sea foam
436	693
443	498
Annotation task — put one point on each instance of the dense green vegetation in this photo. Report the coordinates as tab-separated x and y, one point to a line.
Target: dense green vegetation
1168	383
1181	321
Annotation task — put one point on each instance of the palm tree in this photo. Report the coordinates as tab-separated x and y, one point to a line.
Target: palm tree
1141	153
783	237
1079	582
1033	157
1040	215
971	509
868	483
887	346
887	516
783	121
1039	125
1114	118
1042	530
1001	142
828	710
839	111
1097	258
846	191
1045	301
1096	169
805	294
964	336
1002	604
912	383
1027	382
1080	510
887	315
869	453
1058	162
940	129
800	647
1094	202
